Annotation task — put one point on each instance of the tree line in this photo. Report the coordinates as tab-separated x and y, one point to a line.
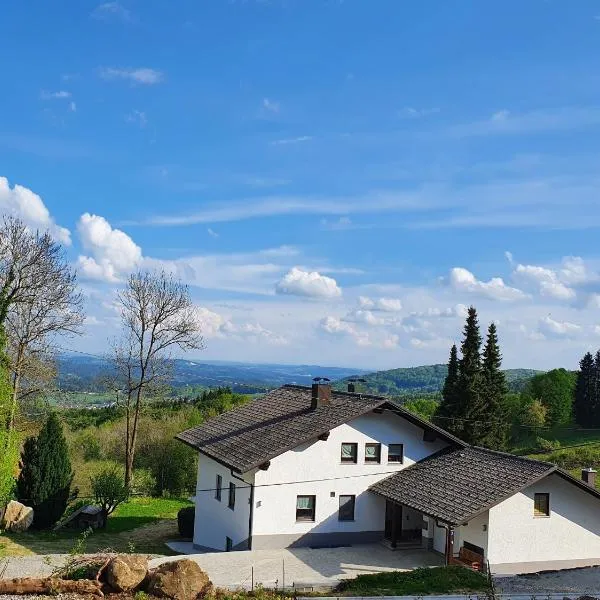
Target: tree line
39	302
586	405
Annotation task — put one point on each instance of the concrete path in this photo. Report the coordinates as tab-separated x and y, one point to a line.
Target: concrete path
304	567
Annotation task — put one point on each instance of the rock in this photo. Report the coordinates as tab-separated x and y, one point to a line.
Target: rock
125	573
17	517
179	580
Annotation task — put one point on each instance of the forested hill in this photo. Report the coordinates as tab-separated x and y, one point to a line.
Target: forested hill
429	378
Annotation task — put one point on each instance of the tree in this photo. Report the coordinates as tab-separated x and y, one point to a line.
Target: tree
493	429
585	390
158	316
109	491
470	410
449	405
45	479
533	416
555	390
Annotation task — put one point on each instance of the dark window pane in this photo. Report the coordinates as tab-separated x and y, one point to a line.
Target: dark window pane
218	487
346	512
231	496
541	505
396	453
305	508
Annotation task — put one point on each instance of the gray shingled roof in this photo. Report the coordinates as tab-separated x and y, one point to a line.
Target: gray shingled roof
252	434
456	485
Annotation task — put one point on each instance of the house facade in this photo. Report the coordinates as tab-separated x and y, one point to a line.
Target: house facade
313	467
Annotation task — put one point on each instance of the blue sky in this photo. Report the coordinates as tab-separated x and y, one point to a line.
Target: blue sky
334	179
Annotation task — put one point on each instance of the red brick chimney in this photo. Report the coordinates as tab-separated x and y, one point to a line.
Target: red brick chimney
589	476
321	392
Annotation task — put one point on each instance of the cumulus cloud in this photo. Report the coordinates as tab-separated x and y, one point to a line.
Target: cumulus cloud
21	202
381	304
337	327
112	10
61	94
311	284
143	76
463	280
546	281
366	317
113	252
548	327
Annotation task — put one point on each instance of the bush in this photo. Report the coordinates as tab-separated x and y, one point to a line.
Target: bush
574	458
109	491
547	445
143	483
185	521
90	445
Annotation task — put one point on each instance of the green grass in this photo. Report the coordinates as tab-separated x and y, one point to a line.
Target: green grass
145	523
420	582
142	511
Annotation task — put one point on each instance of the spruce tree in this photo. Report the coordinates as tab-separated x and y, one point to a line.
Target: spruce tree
45	479
470	410
493	428
449	404
585	391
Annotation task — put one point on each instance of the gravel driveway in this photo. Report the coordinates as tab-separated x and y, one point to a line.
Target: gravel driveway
572	582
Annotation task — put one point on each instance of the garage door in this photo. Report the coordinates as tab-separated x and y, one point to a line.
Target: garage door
439	539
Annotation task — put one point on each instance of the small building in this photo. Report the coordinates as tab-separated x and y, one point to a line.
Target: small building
86	517
304	466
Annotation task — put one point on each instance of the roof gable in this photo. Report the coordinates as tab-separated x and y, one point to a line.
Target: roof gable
250	435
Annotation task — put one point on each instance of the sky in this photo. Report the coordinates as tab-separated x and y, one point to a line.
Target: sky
335	180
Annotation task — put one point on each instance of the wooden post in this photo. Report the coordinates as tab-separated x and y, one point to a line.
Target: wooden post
449	544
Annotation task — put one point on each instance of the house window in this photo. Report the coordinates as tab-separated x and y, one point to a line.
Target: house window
349	452
228	544
305	508
346	511
218	487
396	453
231	503
372	453
541	505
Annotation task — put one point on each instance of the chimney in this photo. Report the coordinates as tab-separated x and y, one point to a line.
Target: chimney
352	384
321	392
589	476
351	387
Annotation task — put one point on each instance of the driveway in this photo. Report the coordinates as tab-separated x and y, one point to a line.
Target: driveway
305	567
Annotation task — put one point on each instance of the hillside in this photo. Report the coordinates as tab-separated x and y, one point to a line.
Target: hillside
425	379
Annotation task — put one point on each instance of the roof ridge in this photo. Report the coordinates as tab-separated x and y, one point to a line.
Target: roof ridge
339	392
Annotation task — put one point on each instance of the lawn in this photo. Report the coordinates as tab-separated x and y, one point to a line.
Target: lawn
142	524
420	582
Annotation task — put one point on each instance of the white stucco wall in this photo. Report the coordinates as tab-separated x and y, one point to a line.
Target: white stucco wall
475	532
215	520
571	532
305	468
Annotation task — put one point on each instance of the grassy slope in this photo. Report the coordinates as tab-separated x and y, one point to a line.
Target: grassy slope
145	523
436	580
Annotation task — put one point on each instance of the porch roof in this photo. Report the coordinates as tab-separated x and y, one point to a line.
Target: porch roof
454	486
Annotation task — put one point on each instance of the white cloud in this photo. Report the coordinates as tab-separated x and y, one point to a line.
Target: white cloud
144	76
137	117
463	280
113	252
548	327
295	140
312	284
363	316
337	327
270	105
575	272
72	106
112	10
408	112
509	257
546	280
62	94
381	304
212	233
21	202
501	115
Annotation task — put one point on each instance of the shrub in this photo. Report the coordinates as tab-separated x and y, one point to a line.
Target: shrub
185	521
547	445
109	491
573	458
45	479
90	445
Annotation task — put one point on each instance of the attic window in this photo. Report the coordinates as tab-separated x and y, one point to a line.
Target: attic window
349	452
541	505
396	453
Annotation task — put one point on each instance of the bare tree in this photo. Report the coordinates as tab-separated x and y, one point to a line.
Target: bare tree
158	317
38	301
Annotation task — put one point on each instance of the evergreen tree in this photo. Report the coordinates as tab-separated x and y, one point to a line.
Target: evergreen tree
493	429
470	409
595	405
585	390
45	479
449	404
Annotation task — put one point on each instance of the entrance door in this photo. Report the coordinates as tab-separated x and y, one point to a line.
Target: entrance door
393	521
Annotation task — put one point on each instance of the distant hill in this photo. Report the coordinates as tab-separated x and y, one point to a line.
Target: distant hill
81	373
425	379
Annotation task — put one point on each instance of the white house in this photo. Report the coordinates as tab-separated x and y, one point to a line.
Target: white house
304	466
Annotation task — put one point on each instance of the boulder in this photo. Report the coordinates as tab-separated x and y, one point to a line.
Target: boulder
17	517
179	580
125	573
